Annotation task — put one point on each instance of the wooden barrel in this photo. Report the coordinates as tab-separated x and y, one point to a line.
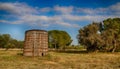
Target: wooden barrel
36	43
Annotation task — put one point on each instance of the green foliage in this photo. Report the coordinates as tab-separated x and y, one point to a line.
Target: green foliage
112	31
2	42
59	39
90	37
7	42
75	47
9	45
108	39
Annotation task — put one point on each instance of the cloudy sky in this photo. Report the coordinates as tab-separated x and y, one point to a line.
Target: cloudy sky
17	16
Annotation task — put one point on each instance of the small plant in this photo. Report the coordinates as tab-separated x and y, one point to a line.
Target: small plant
21	54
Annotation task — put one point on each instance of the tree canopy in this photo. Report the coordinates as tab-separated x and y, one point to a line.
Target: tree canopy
97	37
7	42
59	39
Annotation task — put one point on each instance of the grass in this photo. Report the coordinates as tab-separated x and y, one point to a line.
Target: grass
13	59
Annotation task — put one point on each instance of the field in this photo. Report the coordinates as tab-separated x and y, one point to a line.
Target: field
13	59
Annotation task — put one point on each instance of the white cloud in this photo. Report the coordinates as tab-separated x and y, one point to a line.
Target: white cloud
115	9
64	10
28	14
67	16
41	20
17	8
85	10
3	21
46	9
93	11
84	18
112	10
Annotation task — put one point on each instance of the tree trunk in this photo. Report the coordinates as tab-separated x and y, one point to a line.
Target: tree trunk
55	46
114	48
64	48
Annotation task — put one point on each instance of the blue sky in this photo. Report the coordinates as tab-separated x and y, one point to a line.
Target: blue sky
17	16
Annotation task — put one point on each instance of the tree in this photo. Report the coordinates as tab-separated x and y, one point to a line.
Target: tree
59	39
7	42
2	43
17	44
112	30
90	38
20	44
108	38
9	45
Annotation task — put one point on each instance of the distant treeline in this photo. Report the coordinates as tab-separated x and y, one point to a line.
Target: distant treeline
104	36
6	41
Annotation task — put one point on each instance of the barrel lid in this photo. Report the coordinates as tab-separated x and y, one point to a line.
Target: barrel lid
36	30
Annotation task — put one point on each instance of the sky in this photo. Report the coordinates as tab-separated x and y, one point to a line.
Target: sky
17	16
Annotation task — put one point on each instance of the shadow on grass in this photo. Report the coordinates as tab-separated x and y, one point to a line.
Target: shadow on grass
72	51
20	54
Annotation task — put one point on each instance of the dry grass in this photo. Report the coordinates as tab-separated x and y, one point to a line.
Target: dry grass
13	59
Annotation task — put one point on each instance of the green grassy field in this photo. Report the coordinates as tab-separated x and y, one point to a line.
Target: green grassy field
12	59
